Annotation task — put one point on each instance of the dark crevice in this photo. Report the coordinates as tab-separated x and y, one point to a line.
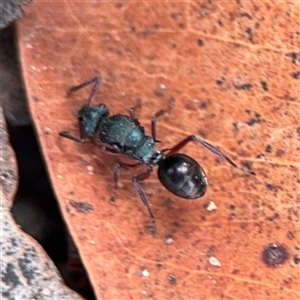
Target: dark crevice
35	207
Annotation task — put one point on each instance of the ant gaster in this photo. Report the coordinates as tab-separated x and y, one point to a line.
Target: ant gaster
120	134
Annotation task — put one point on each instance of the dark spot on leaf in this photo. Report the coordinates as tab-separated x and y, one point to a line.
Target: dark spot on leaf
296	75
296	260
244	86
268	149
290	235
190	106
200	42
178	18
264	85
274	255
244	225
176	224
202	133
168	203
280	153
203	105
256	25
294	57
274	217
211	249
246	15
270	186
250	34
83	207
172	279
254	120
220	81
235	127
247	165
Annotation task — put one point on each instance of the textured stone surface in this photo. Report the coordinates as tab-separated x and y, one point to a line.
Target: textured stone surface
26	271
11	10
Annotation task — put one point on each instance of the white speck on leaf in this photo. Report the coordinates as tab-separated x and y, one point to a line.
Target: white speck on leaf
214	261
211	206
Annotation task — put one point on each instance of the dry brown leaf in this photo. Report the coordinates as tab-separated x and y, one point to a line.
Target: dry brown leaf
233	68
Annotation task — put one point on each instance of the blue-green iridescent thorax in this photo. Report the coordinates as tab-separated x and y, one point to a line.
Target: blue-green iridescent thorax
129	137
119	131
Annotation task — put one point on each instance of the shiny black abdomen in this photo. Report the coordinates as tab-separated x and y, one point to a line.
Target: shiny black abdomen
182	176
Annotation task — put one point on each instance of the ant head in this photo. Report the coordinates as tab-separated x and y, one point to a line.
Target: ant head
91	118
183	176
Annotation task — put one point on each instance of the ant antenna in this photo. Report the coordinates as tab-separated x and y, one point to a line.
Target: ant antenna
96	80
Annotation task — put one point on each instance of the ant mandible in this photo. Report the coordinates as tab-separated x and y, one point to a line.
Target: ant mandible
120	134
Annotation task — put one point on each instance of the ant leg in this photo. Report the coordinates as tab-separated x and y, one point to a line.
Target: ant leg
110	150
132	110
67	135
80	140
208	146
116	171
135	181
159	114
143	196
96	80
132	113
133	116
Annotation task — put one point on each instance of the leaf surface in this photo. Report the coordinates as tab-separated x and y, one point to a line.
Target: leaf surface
233	68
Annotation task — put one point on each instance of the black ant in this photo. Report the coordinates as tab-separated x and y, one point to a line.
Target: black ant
180	174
